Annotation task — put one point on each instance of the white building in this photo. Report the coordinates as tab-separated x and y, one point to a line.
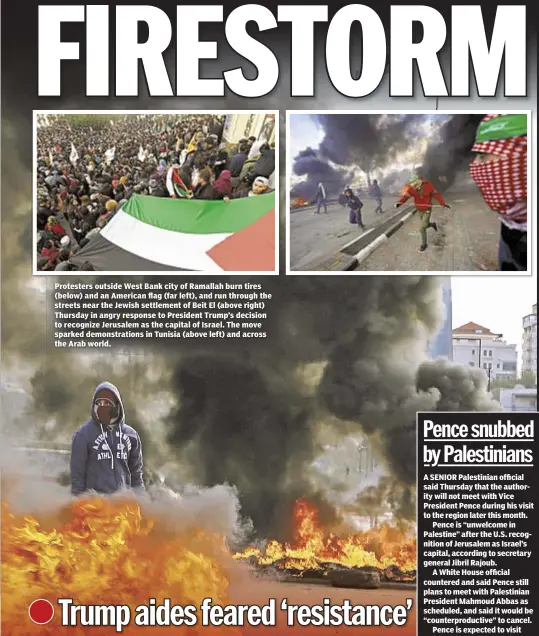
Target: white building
529	343
518	399
477	346
244	125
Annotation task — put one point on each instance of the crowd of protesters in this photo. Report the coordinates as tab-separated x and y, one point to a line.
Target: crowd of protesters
89	166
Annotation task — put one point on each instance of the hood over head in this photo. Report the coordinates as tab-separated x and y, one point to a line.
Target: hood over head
120	418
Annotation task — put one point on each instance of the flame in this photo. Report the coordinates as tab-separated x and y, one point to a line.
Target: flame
299	202
380	547
106	552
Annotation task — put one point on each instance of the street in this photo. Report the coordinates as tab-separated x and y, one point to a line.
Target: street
314	237
467	238
250	591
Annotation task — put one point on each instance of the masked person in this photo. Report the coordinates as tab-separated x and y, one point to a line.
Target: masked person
500	172
106	454
422	192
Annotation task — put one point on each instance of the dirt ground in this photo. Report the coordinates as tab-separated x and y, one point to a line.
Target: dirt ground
251	591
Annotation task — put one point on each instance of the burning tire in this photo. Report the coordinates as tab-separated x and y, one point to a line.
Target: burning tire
362	579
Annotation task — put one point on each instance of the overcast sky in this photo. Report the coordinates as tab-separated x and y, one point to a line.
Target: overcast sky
496	302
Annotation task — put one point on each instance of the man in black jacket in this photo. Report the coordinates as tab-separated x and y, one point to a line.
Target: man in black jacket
354	206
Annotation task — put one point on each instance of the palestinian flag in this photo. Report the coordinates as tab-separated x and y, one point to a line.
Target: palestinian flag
175	186
158	234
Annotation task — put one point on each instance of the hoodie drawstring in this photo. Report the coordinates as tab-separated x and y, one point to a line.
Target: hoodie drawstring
108	445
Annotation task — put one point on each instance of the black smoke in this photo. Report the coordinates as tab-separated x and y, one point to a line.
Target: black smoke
317	169
368	141
451	151
371	143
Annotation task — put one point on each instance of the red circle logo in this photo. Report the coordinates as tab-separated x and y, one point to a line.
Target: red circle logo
41	611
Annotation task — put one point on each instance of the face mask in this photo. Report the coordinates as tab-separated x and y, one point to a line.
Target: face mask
502	183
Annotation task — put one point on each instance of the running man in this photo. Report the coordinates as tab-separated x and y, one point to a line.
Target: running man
422	192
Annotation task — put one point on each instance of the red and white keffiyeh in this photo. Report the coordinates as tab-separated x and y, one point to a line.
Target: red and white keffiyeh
503	184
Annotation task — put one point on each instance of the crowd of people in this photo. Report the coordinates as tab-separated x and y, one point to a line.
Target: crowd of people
89	166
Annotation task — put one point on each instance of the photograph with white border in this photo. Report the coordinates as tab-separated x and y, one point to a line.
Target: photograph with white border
408	192
155	192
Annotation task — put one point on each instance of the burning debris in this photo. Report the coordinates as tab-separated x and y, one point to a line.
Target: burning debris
110	551
364	559
298	203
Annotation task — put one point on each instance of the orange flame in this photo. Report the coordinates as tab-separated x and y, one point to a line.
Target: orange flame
106	552
299	202
379	547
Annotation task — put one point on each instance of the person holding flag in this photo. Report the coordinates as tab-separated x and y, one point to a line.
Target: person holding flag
422	192
175	186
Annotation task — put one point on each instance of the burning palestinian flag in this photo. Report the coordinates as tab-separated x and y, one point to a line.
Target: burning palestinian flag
154	234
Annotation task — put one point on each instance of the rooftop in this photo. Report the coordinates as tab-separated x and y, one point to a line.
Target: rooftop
473	329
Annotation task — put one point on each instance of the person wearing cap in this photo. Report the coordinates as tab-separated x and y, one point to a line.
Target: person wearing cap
499	170
260	186
422	192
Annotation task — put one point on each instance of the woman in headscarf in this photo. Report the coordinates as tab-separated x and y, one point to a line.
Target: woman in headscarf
54	227
500	172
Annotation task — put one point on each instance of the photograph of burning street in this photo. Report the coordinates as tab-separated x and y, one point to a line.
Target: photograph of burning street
431	192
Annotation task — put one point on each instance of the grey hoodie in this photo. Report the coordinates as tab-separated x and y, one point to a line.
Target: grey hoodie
106	459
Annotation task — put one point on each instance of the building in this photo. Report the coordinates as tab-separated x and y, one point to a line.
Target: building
477	346
244	125
518	399
442	344
529	343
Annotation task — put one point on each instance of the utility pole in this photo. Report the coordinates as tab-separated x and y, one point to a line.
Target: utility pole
479	341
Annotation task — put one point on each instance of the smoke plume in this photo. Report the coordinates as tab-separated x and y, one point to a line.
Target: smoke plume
318	170
371	143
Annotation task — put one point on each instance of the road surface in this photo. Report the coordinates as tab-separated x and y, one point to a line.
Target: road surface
467	239
314	237
251	592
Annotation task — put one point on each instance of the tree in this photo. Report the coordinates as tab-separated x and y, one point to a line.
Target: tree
527	380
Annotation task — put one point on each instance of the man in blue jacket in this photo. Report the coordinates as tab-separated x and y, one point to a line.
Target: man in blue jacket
106	454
